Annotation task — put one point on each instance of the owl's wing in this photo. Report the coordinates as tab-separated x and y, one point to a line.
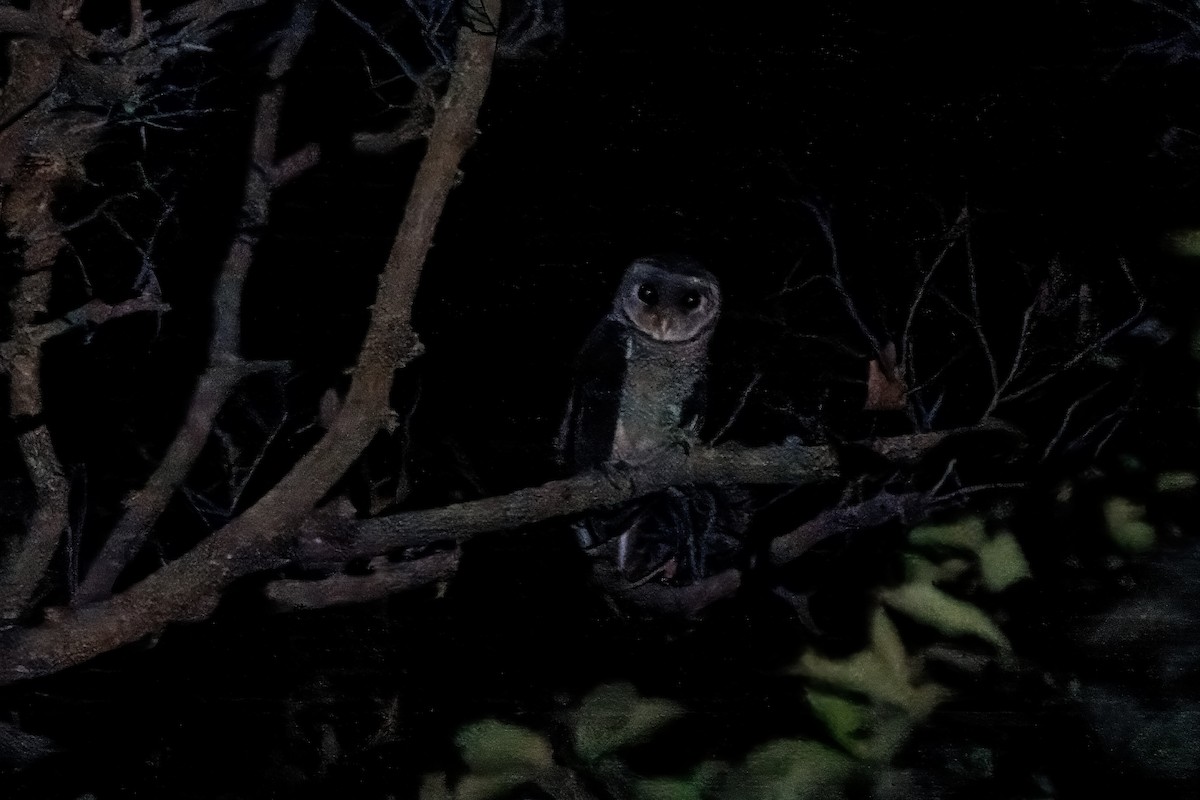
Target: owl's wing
586	437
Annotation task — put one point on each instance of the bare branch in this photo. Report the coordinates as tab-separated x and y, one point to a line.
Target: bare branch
31	182
225	368
203	13
1075	360
672	601
968	491
737	410
14	20
189	588
385	579
613	486
383	44
906	367
976	317
784	464
837	280
137	23
1015	369
1062	429
878	510
295	165
26	567
95	312
22	357
885	507
384	142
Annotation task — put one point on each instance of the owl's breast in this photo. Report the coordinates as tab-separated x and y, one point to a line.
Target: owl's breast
655	393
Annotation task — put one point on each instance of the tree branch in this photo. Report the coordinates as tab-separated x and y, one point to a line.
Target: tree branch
326	540
385	579
190	587
94	312
882	508
16	21
905	367
589	491
225	368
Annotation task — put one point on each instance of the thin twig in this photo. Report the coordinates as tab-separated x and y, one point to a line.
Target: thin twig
906	367
937	487
741	404
978	488
1062	429
1076	359
837	280
392	52
1014	370
977	316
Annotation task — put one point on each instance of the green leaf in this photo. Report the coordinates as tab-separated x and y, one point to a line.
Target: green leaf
881	672
1127	526
846	720
666	789
1176	481
492	748
967	533
615	715
1186	242
485	787
790	769
929	605
921	570
1002	562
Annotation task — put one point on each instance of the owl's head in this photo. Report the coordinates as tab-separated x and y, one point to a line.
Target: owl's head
669	298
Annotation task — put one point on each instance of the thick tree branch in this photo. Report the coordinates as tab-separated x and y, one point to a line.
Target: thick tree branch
882	508
225	368
14	20
190	587
32	176
94	312
384	579
613	486
328	541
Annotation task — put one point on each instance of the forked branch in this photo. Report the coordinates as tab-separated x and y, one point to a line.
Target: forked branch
226	368
260	538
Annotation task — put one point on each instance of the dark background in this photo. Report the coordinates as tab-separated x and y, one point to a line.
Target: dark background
1069	129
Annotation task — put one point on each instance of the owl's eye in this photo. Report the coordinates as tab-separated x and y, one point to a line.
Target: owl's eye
648	294
691	300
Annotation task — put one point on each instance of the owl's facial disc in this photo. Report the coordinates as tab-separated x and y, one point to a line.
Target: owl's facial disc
668	306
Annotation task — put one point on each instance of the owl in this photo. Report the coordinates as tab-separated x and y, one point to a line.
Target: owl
640	387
